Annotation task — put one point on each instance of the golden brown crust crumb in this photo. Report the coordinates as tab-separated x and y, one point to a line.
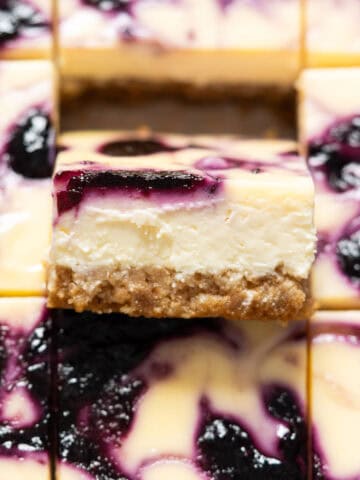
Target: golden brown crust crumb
161	292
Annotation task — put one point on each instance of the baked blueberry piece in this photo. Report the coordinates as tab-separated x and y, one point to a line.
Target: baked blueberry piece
171	226
25	389
196	43
26	164
156	399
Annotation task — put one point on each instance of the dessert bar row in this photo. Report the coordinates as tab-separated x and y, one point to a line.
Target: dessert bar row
84	398
193	42
266	178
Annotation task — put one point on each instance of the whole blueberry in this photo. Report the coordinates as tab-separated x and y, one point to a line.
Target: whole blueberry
337	155
30	150
134	148
348	254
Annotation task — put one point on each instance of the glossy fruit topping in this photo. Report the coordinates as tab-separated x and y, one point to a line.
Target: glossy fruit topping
135	147
30	148
19	17
348	254
134	182
336	155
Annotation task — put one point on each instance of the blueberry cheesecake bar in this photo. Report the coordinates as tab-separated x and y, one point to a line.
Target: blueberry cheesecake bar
26	29
172	226
191	43
335	409
26	163
160	399
332	36
24	390
330	131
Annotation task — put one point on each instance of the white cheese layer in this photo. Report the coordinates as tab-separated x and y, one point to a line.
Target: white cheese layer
252	237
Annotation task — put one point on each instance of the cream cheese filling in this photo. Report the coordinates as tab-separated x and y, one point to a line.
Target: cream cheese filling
252	239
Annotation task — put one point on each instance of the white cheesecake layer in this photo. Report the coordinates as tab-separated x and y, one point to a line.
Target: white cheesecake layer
25	230
252	237
29	469
326	95
332	33
336	392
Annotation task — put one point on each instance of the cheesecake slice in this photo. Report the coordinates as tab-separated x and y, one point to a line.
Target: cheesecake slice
330	134
332	36
171	226
25	29
335	356
24	390
26	164
166	399
189	44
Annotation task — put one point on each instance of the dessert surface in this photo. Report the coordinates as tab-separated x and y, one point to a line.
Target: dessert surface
207	42
26	161
330	130
332	39
25	29
186	235
202	399
25	387
166	227
335	355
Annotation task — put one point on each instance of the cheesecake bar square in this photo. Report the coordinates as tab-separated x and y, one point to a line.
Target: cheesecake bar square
166	399
25	389
332	36
193	43
172	226
330	135
26	28
26	161
334	387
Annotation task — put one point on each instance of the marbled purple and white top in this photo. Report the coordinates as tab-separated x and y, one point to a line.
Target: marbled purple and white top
25	389
193	24
335	355
26	29
201	400
27	151
330	120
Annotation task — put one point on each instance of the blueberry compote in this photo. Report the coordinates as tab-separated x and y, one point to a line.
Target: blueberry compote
226	450
25	364
30	147
97	387
138	183
17	18
135	148
348	254
336	155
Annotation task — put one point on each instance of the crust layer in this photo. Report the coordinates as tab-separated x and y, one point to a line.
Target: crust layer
160	292
137	91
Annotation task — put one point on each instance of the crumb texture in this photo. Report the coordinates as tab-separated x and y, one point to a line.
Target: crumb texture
161	292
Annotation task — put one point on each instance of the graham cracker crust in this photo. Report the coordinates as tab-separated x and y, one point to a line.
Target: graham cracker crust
157	292
136	91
